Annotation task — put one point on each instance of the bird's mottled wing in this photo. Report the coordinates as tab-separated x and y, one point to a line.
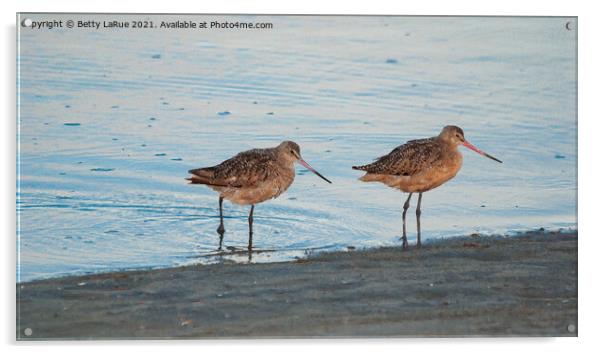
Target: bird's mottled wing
407	159
247	169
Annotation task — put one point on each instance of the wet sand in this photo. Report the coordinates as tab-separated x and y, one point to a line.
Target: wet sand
523	285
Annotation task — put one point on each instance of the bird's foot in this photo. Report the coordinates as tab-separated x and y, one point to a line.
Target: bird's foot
221	230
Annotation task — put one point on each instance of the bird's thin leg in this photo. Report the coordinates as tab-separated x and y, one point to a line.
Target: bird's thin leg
404	238
251	230
221	230
418	212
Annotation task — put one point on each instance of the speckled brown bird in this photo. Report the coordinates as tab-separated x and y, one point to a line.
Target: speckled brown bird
419	166
252	177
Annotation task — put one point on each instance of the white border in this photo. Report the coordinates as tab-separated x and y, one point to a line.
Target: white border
589	176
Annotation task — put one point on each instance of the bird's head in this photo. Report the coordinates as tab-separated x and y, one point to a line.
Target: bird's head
455	135
290	152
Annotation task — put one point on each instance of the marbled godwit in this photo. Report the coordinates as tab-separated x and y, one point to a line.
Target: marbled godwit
252	177
419	166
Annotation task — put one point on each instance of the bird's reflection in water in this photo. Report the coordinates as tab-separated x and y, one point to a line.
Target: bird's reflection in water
229	254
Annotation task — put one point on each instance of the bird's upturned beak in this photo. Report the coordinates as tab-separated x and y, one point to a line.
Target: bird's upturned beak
306	165
474	148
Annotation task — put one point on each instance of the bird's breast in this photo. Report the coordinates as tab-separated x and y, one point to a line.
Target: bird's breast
280	183
433	176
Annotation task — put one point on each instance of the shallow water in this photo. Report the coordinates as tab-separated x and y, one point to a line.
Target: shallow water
110	121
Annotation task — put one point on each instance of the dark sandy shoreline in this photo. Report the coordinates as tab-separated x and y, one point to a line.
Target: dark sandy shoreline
477	286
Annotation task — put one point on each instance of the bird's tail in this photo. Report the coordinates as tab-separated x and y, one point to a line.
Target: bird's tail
201	176
206	176
361	168
368	177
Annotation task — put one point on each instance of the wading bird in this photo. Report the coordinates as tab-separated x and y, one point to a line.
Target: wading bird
252	177
419	166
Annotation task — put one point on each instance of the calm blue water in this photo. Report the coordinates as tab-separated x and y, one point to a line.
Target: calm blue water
111	120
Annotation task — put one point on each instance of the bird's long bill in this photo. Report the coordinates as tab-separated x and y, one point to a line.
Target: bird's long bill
306	165
474	148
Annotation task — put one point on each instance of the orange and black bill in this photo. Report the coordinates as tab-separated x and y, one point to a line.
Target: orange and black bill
480	152
306	165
